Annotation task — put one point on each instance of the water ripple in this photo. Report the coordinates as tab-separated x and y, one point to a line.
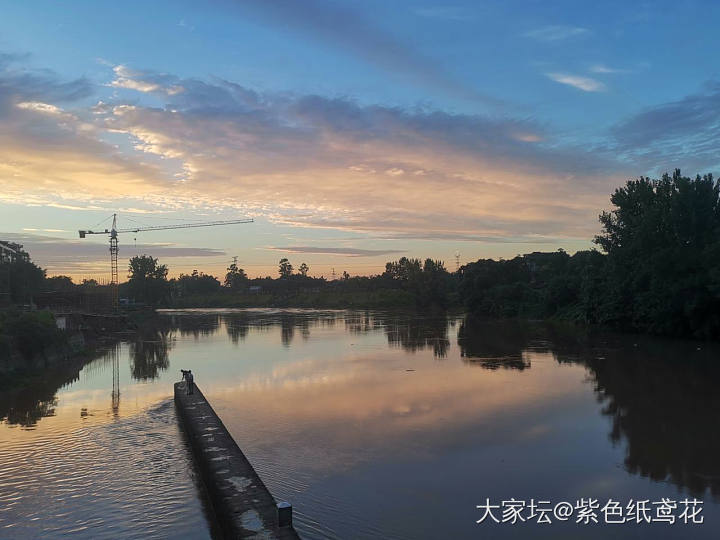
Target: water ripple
131	478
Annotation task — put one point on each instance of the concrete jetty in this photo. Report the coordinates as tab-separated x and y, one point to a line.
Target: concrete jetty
243	506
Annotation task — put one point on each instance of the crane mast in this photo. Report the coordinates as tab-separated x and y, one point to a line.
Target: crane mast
114	263
113	234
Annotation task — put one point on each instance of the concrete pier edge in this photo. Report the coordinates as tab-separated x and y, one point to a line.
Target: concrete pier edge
243	506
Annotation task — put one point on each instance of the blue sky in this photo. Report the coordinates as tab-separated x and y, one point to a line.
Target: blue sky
352	132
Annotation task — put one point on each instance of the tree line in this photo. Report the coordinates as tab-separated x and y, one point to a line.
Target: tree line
405	283
656	269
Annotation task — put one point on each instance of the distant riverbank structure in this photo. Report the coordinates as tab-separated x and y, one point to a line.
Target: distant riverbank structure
114	231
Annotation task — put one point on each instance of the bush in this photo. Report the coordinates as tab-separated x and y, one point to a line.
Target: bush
30	333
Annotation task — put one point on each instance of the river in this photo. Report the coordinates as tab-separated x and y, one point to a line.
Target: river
374	425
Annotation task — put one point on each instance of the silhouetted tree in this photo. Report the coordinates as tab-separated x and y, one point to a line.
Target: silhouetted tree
285	269
236	278
428	282
663	245
197	283
148	279
59	284
20	278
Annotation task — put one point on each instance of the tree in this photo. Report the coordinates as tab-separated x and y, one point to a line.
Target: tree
20	278
402	270
148	279
236	278
143	267
285	269
427	282
197	283
59	284
304	268
663	245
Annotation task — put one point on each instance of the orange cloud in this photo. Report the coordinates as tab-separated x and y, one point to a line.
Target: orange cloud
307	161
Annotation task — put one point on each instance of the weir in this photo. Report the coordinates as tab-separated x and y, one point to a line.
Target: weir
243	506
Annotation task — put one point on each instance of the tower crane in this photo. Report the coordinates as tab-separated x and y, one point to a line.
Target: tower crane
114	231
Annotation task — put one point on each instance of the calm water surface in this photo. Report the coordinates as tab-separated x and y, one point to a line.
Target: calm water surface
374	425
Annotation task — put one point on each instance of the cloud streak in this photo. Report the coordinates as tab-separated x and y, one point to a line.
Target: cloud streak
348	29
603	69
678	133
585	84
556	33
342	251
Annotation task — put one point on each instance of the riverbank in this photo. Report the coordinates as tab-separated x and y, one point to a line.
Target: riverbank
34	341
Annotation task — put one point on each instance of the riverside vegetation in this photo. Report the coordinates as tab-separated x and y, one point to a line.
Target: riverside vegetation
657	270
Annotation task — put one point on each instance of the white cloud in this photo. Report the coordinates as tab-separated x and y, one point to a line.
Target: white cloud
39	107
601	68
124	79
132	80
556	32
586	84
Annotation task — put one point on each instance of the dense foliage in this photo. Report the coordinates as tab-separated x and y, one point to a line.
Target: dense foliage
147	280
20	278
663	246
537	285
28	333
660	272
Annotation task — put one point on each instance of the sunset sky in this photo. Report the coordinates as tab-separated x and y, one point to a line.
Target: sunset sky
352	132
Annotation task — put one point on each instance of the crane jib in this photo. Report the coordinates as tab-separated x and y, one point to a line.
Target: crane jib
166	227
113	232
184	226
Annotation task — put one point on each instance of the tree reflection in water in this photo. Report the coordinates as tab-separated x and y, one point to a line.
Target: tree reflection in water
149	351
287	329
664	403
494	344
25	405
196	325
660	395
237	326
417	333
362	322
411	332
27	408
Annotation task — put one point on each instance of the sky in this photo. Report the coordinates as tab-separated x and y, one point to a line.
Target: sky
352	132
